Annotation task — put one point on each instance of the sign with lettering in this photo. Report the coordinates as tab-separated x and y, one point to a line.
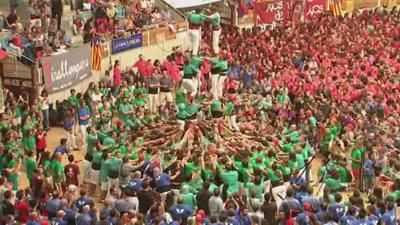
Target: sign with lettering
267	12
126	43
314	8
65	70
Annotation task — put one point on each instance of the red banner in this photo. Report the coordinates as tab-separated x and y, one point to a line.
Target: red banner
314	8
267	12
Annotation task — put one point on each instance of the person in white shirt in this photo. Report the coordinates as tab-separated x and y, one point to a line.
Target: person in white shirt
44	106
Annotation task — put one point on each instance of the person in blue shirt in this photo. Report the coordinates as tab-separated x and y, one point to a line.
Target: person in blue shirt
362	219
389	217
34	219
180	210
349	217
369	172
306	217
82	201
62	148
59	219
337	209
69	214
136	182
315	206
53	205
83	116
232	220
162	181
243	218
301	194
322	213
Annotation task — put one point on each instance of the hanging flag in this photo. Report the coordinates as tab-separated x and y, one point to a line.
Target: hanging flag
336	7
96	54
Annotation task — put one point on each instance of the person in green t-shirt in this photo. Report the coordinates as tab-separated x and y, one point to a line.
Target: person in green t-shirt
356	157
29	141
231	179
189	199
125	111
195	21
189	79
215	18
58	172
13	166
30	165
219	71
113	170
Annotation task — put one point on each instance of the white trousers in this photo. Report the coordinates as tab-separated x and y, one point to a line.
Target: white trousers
153	102
234	125
190	85
217	85
71	139
279	194
181	124
195	37
83	133
215	41
86	170
165	97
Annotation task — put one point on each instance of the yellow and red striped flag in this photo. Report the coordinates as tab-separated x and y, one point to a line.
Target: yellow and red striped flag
336	7
96	54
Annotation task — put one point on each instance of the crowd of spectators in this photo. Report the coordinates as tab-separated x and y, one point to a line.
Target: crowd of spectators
327	90
45	33
120	18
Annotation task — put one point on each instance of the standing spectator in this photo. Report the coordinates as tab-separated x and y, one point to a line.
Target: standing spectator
203	197
146	198
82	201
269	209
7	203
215	203
57	11
84	218
41	144
84	117
72	172
53	205
153	84
58	172
44	106
59	219
69	127
116	77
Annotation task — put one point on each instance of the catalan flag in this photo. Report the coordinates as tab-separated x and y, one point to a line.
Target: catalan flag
336	7
96	54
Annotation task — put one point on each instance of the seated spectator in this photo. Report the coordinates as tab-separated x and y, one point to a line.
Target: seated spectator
166	14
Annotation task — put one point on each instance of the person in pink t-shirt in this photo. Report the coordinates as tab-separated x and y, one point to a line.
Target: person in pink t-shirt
116	75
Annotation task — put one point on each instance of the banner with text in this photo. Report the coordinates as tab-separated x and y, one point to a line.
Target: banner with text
65	70
267	12
314	7
126	43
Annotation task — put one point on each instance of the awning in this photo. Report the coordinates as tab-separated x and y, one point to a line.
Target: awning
179	4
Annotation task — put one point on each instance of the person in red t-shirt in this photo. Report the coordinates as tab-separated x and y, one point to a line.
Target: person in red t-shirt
41	144
140	65
117	75
72	172
22	207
